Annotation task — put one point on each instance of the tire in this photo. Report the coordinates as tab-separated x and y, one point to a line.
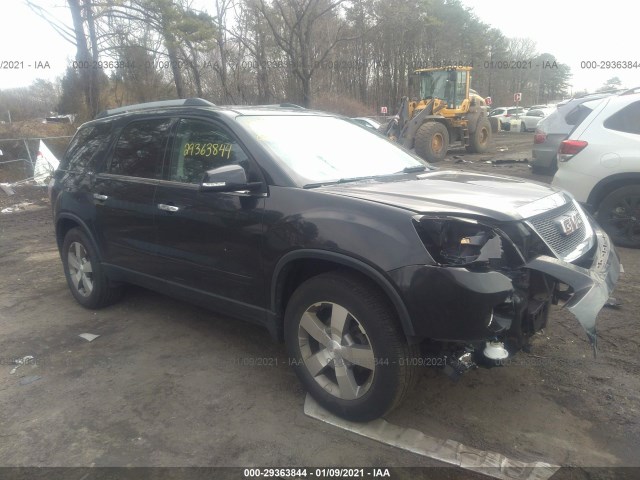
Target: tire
432	141
363	322
523	127
495	124
619	215
479	141
542	170
86	279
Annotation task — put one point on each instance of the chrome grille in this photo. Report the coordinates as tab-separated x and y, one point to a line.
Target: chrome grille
546	225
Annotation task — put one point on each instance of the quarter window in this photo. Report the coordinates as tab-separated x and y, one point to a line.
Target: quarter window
626	120
85	145
140	149
200	147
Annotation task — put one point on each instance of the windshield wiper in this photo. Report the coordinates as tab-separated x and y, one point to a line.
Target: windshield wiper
417	168
342	180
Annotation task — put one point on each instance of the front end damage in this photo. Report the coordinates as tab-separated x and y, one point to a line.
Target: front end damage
491	286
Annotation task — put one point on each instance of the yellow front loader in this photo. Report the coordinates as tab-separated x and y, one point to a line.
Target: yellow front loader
441	111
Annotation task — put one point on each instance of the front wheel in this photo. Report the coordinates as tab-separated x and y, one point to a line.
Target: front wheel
432	141
619	215
347	348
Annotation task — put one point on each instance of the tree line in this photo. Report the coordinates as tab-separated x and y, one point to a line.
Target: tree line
348	56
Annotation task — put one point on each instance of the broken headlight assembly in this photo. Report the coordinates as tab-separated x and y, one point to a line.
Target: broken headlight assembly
463	242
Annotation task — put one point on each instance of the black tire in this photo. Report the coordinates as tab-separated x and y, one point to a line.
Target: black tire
619	215
85	276
480	139
541	170
523	127
432	141
370	326
495	124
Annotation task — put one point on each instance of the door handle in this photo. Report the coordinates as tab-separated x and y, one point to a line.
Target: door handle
99	196
168	208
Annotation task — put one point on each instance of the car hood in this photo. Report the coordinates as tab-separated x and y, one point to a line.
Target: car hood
459	193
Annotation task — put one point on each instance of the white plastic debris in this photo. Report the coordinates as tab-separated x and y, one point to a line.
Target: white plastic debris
7	189
19	362
89	337
16	208
46	163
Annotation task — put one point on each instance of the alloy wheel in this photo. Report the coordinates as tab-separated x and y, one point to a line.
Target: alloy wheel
336	350
80	269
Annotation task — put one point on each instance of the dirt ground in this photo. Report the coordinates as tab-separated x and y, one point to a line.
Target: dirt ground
170	384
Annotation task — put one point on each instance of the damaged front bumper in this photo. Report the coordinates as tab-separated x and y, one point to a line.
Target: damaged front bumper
591	286
470	305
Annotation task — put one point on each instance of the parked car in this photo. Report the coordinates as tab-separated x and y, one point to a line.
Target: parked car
599	164
529	120
367	122
344	245
505	115
554	128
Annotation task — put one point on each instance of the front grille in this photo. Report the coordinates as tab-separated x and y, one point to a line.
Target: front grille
547	227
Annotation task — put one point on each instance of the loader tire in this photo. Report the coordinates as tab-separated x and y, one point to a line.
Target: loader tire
479	141
432	141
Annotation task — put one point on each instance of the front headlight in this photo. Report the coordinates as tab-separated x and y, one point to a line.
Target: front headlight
464	242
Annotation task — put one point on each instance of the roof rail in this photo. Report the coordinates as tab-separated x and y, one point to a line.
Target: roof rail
631	91
187	102
282	105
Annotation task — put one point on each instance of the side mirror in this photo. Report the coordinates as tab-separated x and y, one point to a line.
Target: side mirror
228	178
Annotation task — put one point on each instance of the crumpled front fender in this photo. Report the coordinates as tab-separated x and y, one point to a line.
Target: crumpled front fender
591	287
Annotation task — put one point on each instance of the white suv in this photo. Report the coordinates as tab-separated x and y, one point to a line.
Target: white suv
599	163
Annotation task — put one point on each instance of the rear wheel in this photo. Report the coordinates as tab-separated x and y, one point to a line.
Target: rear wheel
432	141
347	348
479	141
523	127
85	276
619	215
542	170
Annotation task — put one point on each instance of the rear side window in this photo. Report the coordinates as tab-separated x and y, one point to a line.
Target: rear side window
626	120
85	145
577	115
140	149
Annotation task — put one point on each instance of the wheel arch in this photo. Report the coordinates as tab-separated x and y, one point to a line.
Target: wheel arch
609	184
67	221
296	267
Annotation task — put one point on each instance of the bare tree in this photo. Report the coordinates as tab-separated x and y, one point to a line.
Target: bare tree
293	24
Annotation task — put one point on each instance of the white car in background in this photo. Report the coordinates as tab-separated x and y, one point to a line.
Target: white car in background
504	115
599	163
367	122
530	119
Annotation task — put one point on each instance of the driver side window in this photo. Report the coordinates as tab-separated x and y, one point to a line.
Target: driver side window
201	146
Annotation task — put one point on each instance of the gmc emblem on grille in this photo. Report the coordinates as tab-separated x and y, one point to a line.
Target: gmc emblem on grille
569	223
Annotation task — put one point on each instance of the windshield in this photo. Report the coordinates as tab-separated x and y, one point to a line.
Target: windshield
328	149
445	85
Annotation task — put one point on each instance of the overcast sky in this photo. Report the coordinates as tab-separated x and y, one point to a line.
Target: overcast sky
572	30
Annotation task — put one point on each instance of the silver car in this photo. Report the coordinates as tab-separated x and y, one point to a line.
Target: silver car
530	119
552	130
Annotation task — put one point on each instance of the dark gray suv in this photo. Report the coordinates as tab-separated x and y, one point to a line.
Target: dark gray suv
350	249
